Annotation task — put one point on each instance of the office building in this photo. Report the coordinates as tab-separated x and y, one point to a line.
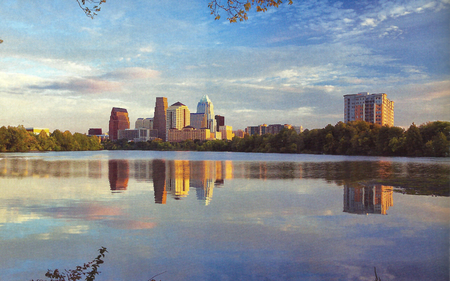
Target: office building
37	131
178	116
188	133
227	132
95	132
160	117
205	106
137	135
118	121
256	130
144	123
198	120
373	108
220	121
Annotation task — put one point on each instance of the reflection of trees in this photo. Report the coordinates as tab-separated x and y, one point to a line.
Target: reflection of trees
22	167
118	174
372	199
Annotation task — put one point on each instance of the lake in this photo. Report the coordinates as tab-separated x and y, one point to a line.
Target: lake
224	216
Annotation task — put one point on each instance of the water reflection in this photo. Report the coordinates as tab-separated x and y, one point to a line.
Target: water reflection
176	177
278	219
373	199
118	174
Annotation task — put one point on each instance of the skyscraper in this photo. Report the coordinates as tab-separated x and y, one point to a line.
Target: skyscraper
198	120
160	117
373	108
205	106
118	121
220	121
178	116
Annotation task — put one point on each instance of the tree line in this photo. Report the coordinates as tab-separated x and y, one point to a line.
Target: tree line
353	138
18	139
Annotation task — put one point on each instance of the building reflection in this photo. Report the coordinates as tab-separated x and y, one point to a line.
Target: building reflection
374	199
175	178
118	174
159	181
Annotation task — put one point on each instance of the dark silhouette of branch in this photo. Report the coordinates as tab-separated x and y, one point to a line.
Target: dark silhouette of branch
237	10
90	10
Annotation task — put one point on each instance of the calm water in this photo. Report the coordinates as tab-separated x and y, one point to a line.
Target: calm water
222	216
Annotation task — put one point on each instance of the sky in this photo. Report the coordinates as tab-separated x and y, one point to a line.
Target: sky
61	70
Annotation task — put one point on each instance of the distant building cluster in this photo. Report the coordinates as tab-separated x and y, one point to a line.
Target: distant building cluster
372	108
175	123
271	129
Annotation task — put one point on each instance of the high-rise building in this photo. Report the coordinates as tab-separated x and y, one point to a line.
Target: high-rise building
118	121
178	116
198	120
205	106
160	117
373	108
220	121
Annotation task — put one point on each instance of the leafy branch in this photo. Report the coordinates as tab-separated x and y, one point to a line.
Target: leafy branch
237	10
89	270
90	11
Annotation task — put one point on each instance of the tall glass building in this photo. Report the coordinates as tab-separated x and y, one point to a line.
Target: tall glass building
205	106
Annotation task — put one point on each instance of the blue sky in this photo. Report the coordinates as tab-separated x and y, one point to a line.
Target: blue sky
62	70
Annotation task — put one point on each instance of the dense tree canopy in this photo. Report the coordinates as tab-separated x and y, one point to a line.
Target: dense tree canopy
353	138
17	139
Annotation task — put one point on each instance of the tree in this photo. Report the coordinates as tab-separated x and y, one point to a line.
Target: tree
91	8
237	10
414	142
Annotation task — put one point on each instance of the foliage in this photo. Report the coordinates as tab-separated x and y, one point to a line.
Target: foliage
18	139
353	138
91	8
88	270
237	10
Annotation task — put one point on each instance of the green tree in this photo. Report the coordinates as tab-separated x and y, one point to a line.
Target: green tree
414	142
441	145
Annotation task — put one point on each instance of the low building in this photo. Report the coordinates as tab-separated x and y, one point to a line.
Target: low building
256	130
137	135
239	133
95	132
188	133
298	129
227	132
37	131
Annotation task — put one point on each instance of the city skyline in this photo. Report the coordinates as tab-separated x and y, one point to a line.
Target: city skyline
291	65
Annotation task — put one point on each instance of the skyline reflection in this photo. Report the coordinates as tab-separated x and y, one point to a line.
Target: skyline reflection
289	220
372	199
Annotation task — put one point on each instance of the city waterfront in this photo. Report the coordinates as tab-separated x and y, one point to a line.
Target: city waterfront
224	216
